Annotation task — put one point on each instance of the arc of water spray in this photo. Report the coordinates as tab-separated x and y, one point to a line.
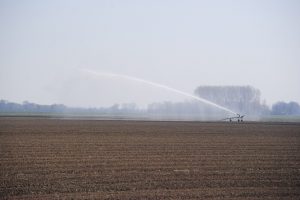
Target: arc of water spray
96	73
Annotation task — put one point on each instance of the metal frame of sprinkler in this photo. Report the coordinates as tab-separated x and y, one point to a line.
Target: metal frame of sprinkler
239	118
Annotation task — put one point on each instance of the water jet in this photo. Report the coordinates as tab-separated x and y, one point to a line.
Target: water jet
158	85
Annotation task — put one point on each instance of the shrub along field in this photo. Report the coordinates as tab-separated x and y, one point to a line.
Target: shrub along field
44	158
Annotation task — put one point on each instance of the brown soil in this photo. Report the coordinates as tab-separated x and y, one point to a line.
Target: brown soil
80	159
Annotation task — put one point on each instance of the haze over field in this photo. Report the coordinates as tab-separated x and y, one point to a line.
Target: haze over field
181	44
149	99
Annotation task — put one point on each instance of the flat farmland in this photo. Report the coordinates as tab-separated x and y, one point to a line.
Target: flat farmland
44	158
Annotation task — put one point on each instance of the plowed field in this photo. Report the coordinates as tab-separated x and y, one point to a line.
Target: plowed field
80	159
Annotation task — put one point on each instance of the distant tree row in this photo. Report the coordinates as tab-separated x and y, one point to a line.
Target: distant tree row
242	99
282	108
27	107
6	106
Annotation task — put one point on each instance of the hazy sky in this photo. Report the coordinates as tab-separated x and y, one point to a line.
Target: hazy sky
183	44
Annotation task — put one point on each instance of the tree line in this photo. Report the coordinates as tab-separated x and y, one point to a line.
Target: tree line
241	99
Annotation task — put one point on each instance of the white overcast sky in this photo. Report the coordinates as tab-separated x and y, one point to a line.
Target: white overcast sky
182	44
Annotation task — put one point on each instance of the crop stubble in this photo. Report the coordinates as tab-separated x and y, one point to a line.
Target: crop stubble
91	159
